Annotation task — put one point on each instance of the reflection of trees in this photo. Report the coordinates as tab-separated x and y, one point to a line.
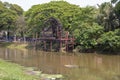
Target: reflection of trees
6	53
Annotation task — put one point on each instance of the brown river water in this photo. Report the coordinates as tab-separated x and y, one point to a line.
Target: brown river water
79	66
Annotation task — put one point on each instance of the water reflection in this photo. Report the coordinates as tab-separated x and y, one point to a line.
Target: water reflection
77	67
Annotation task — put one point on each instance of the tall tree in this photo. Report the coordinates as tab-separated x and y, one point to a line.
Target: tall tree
107	16
17	9
66	13
9	14
7	17
114	1
117	10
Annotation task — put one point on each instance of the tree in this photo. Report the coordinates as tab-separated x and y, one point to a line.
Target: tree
114	1
110	41
66	13
87	36
7	17
70	16
17	9
117	10
107	17
9	13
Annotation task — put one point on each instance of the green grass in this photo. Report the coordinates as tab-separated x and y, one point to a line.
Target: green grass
13	45
5	44
11	71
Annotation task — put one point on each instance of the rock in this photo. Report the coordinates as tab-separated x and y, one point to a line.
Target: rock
71	66
51	77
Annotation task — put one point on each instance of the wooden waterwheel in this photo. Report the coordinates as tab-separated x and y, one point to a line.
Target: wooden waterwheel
54	37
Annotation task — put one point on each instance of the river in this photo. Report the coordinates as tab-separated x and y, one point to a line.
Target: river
79	66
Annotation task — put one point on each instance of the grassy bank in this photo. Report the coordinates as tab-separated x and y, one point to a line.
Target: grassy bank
11	71
13	45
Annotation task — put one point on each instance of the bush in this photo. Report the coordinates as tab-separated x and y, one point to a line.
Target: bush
87	36
110	41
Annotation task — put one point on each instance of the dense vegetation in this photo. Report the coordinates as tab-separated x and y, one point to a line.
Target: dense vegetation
95	29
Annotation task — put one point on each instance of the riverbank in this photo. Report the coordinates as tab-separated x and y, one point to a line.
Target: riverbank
13	45
11	71
21	71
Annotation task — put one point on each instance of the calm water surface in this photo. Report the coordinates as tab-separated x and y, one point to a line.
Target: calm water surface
73	66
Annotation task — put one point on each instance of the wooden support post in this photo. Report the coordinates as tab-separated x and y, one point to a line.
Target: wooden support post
66	42
60	45
73	44
51	45
36	39
44	45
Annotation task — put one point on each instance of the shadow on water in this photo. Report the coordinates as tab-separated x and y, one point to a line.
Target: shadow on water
73	66
108	52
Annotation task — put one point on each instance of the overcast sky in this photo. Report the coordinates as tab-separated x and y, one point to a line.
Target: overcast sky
26	4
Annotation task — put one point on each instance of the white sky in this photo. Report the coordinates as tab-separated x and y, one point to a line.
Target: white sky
26	4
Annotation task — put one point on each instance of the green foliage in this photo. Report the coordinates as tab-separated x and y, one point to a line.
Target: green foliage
117	9
68	14
114	1
11	18
109	15
110	41
87	35
20	26
7	17
17	9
